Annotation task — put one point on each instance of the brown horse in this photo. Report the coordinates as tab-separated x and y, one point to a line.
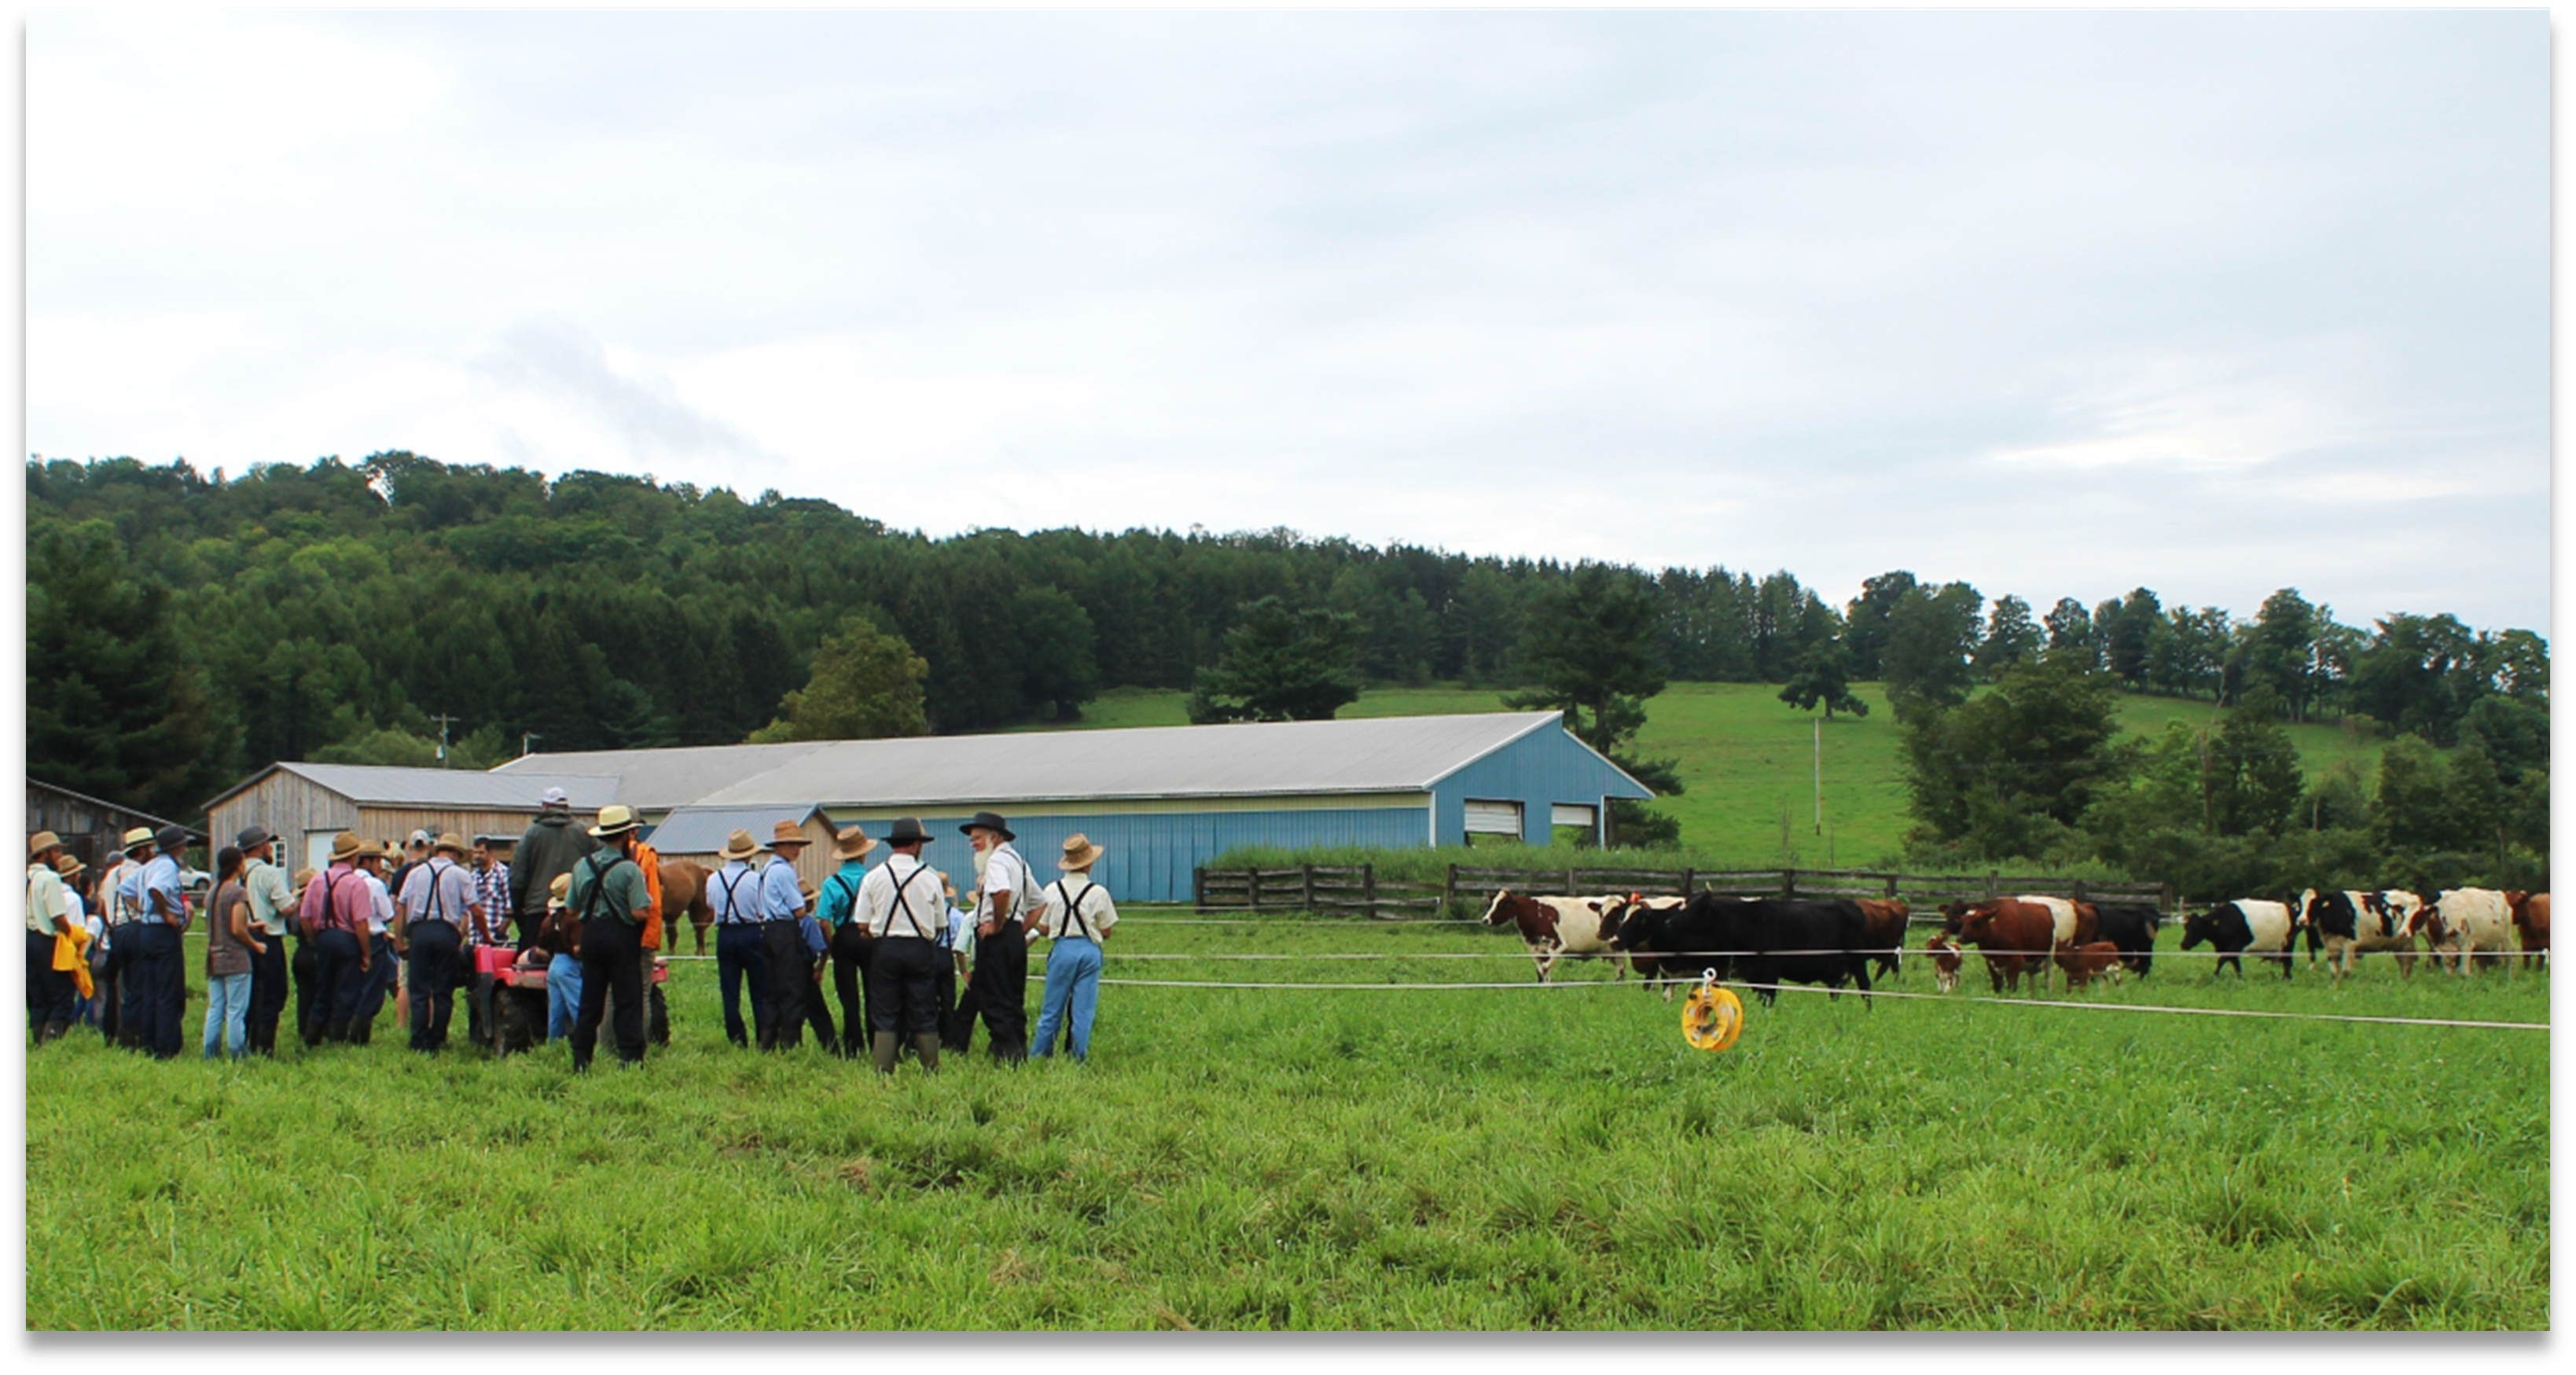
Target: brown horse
684	891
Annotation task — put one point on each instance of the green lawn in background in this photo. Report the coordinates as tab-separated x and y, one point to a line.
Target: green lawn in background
1747	760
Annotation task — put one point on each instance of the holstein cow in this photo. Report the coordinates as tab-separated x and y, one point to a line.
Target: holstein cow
2531	918
1558	928
2465	923
1765	942
2245	926
2014	936
1885	920
2085	963
1652	971
2350	924
2132	927
1945	961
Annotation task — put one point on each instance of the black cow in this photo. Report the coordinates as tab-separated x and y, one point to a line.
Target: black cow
1783	941
2245	926
2132	927
1666	943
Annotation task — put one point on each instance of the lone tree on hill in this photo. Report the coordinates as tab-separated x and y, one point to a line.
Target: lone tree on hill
1823	675
1588	649
1281	665
866	685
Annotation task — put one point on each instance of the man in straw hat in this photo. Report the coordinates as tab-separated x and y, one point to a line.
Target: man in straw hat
999	987
114	989
156	990
610	900
437	904
384	961
899	905
836	906
734	895
334	916
51	993
1077	917
782	936
552	845
272	899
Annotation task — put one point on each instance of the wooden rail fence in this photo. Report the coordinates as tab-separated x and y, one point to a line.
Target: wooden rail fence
1359	889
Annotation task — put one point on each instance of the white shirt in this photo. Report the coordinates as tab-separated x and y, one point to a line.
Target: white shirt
1004	872
48	897
918	914
1077	906
383	900
112	883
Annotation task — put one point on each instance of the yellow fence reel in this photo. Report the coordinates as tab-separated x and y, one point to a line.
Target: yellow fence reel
1712	1017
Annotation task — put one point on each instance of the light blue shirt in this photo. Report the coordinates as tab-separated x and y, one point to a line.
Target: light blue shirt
733	894
161	876
780	896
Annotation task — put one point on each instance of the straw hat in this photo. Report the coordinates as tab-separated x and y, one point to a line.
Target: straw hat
561	888
303	877
137	838
615	819
1079	853
739	845
68	865
853	843
787	833
345	846
40	842
449	841
370	849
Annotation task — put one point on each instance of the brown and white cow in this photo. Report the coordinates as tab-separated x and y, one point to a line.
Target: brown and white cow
2076	923
2014	936
1886	919
2531	918
1945	961
2468	924
2085	963
1557	928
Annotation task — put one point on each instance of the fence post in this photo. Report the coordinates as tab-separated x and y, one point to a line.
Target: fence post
1570	889
1891	888
1991	876
1449	891
1788	883
2173	903
1309	871
1368	889
1252	886
1690	880
2079	890
1198	888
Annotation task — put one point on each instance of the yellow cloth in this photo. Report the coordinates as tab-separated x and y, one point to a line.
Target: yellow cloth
71	956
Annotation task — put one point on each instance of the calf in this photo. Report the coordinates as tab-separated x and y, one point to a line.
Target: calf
2247	925
2132	927
2085	963
2350	924
1558	928
2014	936
2531	918
1945	961
1884	919
2465	923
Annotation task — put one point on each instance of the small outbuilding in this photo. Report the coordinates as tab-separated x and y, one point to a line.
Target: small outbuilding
90	827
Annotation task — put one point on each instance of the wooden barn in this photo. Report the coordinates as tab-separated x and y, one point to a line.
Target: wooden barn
90	827
698	832
308	804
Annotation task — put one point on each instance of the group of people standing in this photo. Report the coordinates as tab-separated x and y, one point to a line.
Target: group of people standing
586	904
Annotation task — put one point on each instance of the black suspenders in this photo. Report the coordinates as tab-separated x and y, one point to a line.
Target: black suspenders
901	901
733	896
1073	909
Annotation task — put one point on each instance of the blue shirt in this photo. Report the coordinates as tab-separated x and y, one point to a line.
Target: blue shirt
840	893
733	894
815	945
161	876
781	896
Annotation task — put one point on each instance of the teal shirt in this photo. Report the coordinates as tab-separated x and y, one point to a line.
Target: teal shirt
840	893
625	892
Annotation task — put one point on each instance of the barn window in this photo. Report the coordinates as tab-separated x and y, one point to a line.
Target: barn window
1573	814
1493	818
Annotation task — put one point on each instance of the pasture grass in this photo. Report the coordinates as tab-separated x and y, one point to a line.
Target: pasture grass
1350	1160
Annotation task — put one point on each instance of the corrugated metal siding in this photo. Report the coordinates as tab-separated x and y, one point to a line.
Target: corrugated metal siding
1538	770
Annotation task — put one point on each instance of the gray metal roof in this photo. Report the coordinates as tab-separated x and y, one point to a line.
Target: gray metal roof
455	789
704	830
663	779
1381	754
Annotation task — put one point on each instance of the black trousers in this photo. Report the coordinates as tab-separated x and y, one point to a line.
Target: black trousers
790	966
816	1010
156	987
111	987
306	967
437	965
51	993
268	994
382	965
999	989
852	949
612	956
901	992
740	952
336	980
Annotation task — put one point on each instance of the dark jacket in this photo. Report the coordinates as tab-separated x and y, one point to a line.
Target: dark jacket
554	843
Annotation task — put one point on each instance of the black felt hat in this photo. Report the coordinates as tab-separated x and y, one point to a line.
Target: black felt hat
991	821
907	831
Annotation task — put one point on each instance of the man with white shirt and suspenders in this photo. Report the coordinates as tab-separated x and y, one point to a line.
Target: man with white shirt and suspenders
734	895
999	987
438	900
900	905
115	1022
1077	918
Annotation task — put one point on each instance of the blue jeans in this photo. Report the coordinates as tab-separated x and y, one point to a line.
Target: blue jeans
1072	984
227	1013
563	996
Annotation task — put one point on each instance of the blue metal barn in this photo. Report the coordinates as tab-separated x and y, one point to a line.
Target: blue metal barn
1162	800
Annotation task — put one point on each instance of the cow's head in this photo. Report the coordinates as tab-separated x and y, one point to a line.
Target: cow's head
2198	927
1954	917
1503	909
1637	924
2301	912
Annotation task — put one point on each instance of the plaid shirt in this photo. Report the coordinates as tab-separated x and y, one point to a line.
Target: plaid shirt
492	889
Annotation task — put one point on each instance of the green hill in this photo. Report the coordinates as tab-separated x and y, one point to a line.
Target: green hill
1748	759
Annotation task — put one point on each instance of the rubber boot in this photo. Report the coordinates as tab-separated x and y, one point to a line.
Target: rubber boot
884	1051
927	1046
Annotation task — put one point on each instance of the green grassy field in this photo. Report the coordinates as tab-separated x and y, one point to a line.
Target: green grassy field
1748	761
1458	1159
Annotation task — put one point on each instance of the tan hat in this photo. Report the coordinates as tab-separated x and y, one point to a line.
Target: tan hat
561	888
449	840
853	843
345	846
1079	852
739	845
615	819
806	887
303	877
40	842
787	833
68	865
140	835
371	849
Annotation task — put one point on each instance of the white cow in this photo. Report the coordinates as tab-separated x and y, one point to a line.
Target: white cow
2465	923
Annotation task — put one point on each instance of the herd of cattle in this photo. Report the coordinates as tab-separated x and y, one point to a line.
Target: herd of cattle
1770	941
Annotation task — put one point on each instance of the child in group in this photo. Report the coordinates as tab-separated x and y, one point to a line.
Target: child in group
818	950
1077	918
957	1019
558	948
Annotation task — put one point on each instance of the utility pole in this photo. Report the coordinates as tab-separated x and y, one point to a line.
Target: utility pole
1820	773
443	720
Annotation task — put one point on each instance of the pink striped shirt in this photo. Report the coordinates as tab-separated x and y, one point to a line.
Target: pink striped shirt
336	903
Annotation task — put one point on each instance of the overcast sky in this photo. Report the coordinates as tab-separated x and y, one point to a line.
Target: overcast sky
2053	303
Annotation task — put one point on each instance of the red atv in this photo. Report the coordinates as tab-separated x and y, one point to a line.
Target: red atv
506	1009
